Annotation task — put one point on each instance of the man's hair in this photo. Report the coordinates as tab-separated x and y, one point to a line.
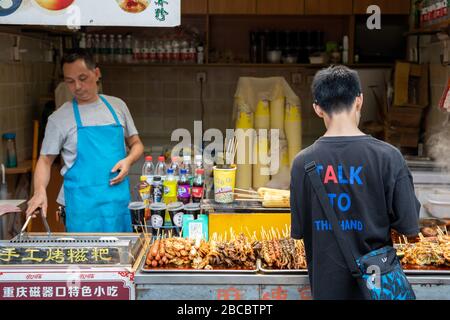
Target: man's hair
335	89
79	54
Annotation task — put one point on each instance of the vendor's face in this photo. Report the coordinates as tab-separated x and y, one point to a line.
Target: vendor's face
81	81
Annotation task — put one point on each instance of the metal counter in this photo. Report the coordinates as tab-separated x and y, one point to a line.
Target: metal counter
256	286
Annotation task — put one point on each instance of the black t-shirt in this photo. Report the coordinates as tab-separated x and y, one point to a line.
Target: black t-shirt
370	187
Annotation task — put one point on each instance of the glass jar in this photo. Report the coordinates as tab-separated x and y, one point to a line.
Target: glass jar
11	155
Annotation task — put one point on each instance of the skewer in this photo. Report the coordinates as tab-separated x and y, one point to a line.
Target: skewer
244	195
244	190
405	239
248	232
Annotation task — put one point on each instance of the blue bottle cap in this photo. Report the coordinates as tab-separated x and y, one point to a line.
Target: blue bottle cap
9	135
169	171
183	171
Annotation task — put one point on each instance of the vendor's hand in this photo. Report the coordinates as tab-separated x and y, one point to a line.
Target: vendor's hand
39	200
123	166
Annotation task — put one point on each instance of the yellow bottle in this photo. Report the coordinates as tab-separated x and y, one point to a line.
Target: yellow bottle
170	193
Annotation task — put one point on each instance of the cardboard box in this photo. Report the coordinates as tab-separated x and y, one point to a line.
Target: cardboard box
405	117
411	85
402	137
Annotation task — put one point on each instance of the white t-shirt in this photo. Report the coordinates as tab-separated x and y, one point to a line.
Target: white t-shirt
61	131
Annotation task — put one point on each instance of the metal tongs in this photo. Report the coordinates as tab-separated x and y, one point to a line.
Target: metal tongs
44	220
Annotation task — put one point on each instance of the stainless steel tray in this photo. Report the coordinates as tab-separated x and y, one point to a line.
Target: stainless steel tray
196	271
279	271
427	272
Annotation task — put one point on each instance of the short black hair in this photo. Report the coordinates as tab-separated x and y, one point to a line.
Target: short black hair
73	55
335	89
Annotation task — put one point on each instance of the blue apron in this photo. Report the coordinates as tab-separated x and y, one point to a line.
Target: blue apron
92	205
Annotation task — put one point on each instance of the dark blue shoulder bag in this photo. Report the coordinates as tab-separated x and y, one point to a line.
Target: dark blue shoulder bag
379	273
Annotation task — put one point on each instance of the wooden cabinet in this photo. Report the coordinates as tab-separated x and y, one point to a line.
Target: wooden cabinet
232	6
194	6
285	7
328	7
387	6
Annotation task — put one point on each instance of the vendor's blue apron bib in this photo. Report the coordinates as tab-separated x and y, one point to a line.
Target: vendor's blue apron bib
92	204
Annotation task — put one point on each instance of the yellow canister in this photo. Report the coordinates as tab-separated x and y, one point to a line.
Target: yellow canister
224	183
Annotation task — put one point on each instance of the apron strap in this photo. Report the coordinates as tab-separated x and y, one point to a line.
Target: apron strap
111	109
76	111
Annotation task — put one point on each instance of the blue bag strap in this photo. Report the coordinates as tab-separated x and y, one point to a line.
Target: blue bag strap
331	215
111	109
76	112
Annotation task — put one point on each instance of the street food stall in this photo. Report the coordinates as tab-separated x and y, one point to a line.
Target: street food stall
212	222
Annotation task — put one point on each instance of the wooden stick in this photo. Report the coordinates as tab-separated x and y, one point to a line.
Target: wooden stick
252	196
245	190
258	200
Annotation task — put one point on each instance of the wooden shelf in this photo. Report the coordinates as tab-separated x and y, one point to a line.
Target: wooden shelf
23	167
245	65
433	29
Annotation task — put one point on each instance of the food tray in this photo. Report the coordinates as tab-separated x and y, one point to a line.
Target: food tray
190	270
421	270
279	271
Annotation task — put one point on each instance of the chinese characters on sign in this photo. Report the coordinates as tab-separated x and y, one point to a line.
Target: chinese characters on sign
160	12
12	256
62	291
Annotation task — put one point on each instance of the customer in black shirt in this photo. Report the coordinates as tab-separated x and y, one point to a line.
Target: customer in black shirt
367	181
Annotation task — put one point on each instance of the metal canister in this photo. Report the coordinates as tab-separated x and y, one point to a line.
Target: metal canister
158	212
176	212
192	208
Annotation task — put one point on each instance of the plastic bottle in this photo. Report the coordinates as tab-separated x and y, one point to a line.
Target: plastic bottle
170	187
148	169
104	48
144	192
118	50
136	51
192	53
89	43
184	188
176	55
157	190
3	185
160	51
175	167
152	52
345	50
128	49
198	161
188	167
97	48
111	48
11	154
82	43
200	55
198	186
184	51
145	52
168	50
161	168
